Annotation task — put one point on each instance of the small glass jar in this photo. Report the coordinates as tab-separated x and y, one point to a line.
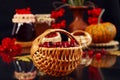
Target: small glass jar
43	22
23	29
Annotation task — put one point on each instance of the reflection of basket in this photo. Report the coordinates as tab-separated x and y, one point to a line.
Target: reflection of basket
83	37
106	61
56	61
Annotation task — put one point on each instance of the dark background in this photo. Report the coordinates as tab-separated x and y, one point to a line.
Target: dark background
7	10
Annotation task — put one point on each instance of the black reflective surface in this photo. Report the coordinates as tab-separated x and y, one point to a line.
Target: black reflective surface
112	73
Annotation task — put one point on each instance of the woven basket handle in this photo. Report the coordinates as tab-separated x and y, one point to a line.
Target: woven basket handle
38	40
85	34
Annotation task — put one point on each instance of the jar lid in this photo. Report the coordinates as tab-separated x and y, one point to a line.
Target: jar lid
44	18
23	18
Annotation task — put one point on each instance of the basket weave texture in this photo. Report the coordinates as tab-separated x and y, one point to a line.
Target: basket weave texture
56	61
83	37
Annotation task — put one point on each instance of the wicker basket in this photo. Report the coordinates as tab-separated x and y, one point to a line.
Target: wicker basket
83	37
56	61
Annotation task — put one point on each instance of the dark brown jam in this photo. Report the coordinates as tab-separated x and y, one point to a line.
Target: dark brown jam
24	31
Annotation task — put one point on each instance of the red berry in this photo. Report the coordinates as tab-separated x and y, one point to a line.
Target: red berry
90	53
46	44
66	44
73	43
63	24
53	25
58	44
84	54
89	12
98	56
1	48
58	25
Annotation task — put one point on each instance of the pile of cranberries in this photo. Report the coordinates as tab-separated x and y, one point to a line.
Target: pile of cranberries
97	54
62	44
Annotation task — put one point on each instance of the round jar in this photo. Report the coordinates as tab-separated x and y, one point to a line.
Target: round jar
23	29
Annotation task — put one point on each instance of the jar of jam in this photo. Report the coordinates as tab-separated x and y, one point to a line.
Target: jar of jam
43	22
23	29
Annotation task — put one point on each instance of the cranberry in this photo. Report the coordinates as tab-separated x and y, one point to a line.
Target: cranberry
90	53
58	44
73	43
51	35
84	54
98	56
66	44
46	44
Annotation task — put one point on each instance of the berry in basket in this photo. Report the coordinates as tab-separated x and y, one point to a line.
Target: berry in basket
51	35
66	44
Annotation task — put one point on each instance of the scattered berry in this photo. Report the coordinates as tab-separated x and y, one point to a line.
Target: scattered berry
98	56
90	53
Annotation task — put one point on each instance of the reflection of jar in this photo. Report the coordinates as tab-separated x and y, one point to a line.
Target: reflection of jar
24	68
23	29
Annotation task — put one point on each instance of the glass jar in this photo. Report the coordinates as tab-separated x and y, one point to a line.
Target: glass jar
23	29
43	22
